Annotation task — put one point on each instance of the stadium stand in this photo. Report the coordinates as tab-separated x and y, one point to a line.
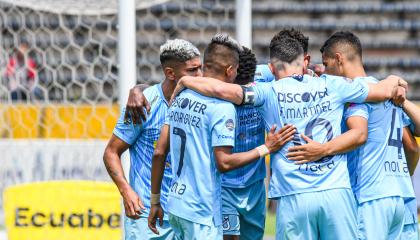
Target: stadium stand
76	55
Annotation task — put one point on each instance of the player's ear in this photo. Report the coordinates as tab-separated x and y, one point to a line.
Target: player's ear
306	60
169	73
231	72
339	58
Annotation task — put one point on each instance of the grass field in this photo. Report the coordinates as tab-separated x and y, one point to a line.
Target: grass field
270	224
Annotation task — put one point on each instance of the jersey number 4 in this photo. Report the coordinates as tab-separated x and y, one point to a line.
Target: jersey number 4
395	142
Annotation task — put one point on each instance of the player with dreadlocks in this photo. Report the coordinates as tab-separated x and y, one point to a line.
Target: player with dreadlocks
243	189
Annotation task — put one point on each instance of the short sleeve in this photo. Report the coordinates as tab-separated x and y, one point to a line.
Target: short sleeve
223	122
357	110
406	119
347	90
263	74
261	93
126	131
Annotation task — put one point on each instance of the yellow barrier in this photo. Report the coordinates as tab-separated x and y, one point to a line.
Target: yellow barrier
19	121
58	121
81	121
63	210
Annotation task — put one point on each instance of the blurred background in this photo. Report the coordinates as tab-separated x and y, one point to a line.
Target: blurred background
60	71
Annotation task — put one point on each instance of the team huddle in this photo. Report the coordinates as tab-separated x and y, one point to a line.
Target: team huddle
341	145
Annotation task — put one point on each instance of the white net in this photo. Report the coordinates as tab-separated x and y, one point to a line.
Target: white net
79	7
58	78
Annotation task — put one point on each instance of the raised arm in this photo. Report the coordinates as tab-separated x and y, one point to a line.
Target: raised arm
137	104
158	168
413	111
112	160
211	87
350	140
386	89
226	160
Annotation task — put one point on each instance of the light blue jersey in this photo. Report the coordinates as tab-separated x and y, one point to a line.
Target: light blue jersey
250	133
378	168
315	106
263	74
142	139
197	125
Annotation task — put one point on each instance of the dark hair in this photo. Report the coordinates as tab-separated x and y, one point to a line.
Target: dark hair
222	51
339	39
295	34
247	66
285	50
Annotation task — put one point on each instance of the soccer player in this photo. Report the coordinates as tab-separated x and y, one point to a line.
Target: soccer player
202	132
378	170
314	199
243	189
178	58
263	72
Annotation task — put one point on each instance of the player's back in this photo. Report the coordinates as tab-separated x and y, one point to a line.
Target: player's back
378	168
249	133
197	124
315	106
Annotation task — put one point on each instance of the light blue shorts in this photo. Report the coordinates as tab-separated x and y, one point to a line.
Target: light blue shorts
410	232
328	214
139	230
244	211
185	229
411	228
381	219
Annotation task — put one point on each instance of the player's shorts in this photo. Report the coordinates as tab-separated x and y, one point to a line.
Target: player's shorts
410	232
244	211
138	230
185	229
328	214
381	218
411	229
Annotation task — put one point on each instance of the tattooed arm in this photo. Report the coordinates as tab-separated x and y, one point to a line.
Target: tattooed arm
112	159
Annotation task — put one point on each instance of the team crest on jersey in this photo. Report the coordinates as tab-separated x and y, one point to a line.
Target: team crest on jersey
226	223
230	125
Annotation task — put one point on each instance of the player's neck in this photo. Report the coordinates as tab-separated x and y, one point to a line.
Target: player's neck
168	88
287	72
355	71
214	75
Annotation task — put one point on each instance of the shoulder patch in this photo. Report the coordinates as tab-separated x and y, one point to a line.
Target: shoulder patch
230	125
